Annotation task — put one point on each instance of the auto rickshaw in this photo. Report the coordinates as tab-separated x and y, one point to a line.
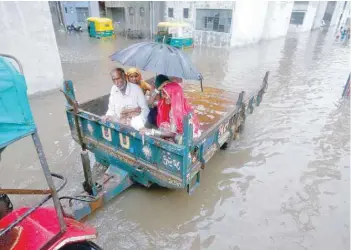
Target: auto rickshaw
34	227
99	27
176	34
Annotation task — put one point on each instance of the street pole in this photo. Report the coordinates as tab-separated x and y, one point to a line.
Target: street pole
60	15
150	19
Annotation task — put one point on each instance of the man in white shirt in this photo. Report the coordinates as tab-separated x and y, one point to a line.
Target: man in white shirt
127	103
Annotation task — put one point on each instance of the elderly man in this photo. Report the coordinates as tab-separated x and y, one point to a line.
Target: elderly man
127	103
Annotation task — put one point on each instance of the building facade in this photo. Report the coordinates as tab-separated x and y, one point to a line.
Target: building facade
277	19
345	16
221	24
306	16
76	12
211	21
27	32
139	18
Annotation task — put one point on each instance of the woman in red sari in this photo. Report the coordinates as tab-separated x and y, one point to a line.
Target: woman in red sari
172	108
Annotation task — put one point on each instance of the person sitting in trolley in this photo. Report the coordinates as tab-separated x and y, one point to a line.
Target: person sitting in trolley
134	76
127	103
172	107
154	99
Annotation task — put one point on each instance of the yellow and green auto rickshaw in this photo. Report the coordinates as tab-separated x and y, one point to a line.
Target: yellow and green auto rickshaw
176	34
100	27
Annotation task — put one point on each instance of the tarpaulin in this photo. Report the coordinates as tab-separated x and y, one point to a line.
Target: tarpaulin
16	120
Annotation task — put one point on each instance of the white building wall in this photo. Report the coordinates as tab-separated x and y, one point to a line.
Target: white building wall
178	7
338	11
248	22
157	15
308	20
27	33
94	10
209	38
346	16
252	21
134	21
277	19
317	22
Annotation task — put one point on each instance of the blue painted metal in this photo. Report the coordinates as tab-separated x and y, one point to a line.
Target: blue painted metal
181	42
191	187
186	141
175	42
262	89
250	106
115	181
16	120
91	29
69	91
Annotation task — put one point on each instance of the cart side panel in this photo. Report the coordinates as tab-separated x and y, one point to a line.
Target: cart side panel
147	162
133	146
224	132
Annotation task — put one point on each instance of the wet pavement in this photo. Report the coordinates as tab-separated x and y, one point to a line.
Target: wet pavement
283	185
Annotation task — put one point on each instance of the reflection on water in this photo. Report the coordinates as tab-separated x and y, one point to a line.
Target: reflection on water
283	185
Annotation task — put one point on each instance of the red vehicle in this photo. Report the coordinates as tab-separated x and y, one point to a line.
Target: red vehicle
36	227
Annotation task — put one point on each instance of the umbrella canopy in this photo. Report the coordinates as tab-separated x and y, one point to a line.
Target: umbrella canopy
159	58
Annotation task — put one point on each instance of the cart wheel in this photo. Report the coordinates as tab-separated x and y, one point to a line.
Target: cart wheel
224	146
6	206
86	245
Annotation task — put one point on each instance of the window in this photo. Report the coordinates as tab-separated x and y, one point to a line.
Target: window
142	11
297	17
170	12
186	13
298	13
82	14
131	11
213	20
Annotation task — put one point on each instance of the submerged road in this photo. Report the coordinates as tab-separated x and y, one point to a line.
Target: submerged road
283	185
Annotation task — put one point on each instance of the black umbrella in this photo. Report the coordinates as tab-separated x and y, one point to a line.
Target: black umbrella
159	58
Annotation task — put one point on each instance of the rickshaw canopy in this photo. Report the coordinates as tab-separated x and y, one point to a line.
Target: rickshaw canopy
177	29
16	120
173	24
101	23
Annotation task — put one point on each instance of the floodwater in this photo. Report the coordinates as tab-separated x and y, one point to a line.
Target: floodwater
285	184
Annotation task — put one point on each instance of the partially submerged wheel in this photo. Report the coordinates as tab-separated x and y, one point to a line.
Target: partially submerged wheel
224	146
6	206
85	245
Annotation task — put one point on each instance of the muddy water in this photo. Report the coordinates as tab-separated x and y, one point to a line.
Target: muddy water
283	185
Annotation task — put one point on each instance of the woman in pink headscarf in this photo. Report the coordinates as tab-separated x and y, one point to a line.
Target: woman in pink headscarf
172	108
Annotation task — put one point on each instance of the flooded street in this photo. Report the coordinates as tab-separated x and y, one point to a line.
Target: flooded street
285	184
